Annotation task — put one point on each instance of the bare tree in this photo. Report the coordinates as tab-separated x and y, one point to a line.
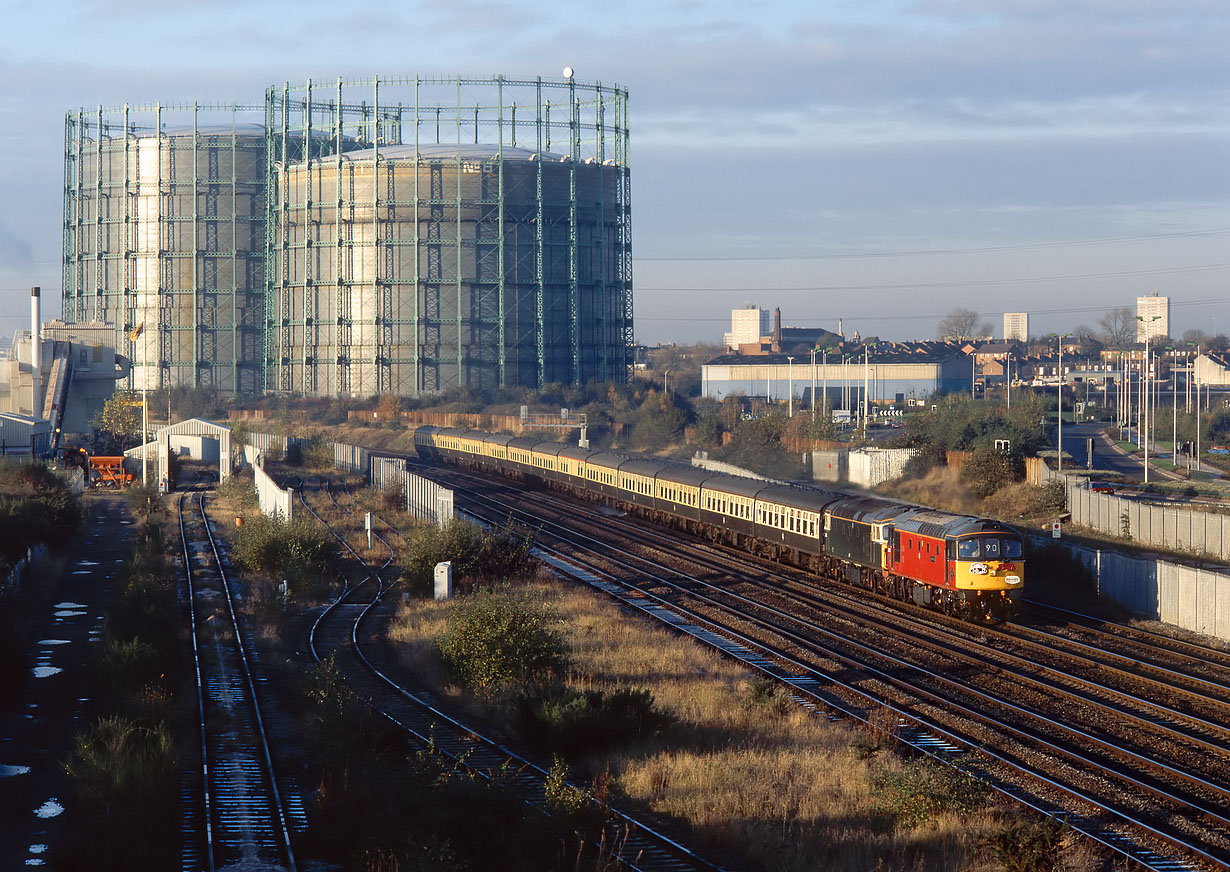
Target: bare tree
1118	327
962	325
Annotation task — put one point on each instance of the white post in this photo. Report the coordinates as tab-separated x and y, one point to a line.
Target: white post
790	383
1059	465
826	385
1148	375
813	385
145	411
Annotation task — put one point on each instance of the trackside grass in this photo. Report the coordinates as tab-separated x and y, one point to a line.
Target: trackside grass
757	780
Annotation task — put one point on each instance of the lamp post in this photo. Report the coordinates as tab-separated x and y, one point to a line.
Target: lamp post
1059	437
813	385
790	384
1147	376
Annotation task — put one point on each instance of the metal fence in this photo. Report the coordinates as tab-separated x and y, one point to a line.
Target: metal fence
1162	526
427	500
352	458
388	473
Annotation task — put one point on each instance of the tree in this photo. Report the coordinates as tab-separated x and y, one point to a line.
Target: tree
120	420
961	325
1118	328
388	408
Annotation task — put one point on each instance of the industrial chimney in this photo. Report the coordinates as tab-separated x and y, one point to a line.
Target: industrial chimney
36	348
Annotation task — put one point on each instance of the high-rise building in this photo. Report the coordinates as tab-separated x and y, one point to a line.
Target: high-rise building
748	325
1153	314
1016	326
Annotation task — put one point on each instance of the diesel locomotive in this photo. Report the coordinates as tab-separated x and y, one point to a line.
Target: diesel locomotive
969	567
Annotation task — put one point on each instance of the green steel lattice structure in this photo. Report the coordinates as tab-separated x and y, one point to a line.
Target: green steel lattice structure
423	233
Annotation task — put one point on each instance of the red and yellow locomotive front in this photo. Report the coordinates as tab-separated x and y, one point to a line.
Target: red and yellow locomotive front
972	567
988	571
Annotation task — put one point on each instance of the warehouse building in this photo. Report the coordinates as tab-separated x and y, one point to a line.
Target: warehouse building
891	372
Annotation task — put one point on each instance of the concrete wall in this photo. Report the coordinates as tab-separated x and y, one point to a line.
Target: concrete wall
1180	529
1186	596
703	462
274	501
871	466
832	465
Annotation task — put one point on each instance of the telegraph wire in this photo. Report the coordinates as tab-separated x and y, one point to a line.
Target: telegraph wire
1026	246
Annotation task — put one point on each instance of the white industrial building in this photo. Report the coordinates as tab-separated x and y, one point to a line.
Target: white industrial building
889	372
58	376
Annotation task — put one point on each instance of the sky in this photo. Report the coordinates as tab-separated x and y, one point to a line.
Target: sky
869	163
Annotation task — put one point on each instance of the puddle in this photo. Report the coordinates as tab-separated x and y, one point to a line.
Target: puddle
46	671
7	771
54	642
67	605
35	861
83	572
38	849
69	613
87	563
49	809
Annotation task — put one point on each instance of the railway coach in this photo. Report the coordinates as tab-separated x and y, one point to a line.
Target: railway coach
964	566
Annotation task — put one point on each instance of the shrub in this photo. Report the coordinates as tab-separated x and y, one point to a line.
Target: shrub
989	469
496	640
125	776
1027	846
925	458
299	552
240	488
924	789
570	806
35	507
118	759
476	555
568	721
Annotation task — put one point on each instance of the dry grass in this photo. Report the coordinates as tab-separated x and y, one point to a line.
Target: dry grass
754	775
941	487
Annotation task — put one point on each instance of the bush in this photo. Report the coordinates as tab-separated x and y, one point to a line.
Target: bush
497	640
568	721
476	555
125	775
299	552
35	508
1027	846
924	789
925	458
989	469
240	488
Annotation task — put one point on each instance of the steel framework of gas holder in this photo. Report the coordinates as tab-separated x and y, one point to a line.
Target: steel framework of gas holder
163	228
422	234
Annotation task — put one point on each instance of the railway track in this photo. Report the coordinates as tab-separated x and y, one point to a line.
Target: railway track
1105	782
235	810
343	632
